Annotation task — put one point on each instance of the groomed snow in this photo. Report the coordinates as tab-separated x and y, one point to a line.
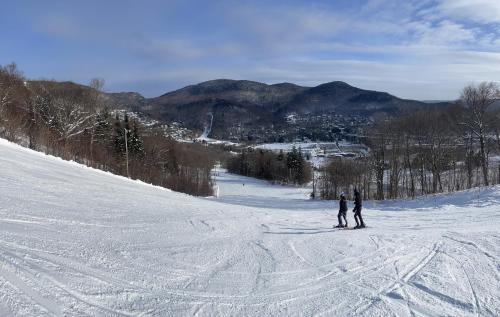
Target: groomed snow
80	242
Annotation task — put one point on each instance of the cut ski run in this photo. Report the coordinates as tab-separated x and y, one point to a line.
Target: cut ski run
81	242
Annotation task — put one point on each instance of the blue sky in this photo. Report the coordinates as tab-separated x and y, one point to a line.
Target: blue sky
416	49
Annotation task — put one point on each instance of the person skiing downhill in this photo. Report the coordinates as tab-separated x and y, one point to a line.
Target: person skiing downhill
357	210
342	211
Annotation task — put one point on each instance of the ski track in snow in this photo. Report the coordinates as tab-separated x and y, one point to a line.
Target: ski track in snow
81	242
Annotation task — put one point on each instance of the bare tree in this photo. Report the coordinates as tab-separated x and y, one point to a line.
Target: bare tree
477	101
378	143
497	126
96	105
63	108
10	78
13	97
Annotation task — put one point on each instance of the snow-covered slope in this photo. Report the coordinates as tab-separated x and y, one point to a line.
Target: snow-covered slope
80	242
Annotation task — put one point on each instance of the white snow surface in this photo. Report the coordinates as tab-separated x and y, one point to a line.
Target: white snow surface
80	242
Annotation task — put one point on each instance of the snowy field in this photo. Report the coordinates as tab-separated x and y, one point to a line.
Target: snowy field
289	146
80	242
319	152
334	147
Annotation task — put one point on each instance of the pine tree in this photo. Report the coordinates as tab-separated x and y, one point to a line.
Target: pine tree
304	171
103	127
135	144
244	164
301	164
119	138
292	162
280	156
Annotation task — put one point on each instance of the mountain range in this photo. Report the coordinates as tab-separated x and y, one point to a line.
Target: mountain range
252	104
242	107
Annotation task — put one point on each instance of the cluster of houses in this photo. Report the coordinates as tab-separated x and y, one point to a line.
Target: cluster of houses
327	127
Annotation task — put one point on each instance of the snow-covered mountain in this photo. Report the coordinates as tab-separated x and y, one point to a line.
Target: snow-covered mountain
81	242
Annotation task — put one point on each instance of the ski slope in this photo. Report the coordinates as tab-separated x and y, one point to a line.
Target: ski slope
81	242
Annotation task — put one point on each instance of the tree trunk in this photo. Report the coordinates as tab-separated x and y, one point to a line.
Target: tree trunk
484	159
92	147
498	181
498	139
408	163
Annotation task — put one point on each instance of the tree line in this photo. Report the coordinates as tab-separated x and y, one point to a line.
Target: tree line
425	152
285	168
76	122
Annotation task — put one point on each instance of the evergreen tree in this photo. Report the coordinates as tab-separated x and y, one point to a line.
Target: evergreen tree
103	127
281	156
119	137
133	140
135	144
292	162
303	170
244	164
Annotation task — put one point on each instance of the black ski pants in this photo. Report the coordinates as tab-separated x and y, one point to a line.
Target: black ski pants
357	216
342	214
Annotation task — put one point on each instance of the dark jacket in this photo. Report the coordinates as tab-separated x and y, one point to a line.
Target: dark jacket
343	205
357	199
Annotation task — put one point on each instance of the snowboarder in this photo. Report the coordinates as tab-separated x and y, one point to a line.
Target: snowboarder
357	210
342	211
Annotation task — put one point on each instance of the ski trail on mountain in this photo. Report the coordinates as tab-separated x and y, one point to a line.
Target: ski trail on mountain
77	241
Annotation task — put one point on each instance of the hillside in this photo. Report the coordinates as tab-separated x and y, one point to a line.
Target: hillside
77	241
285	97
242	110
245	105
131	101
237	91
341	97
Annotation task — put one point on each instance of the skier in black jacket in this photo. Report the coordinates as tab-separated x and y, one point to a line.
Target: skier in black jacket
357	210
342	211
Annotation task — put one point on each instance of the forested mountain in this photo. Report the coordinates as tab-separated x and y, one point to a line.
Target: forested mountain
246	110
259	99
241	106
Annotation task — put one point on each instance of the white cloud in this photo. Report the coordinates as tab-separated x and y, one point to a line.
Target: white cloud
442	33
480	11
274	30
425	49
425	73
164	48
